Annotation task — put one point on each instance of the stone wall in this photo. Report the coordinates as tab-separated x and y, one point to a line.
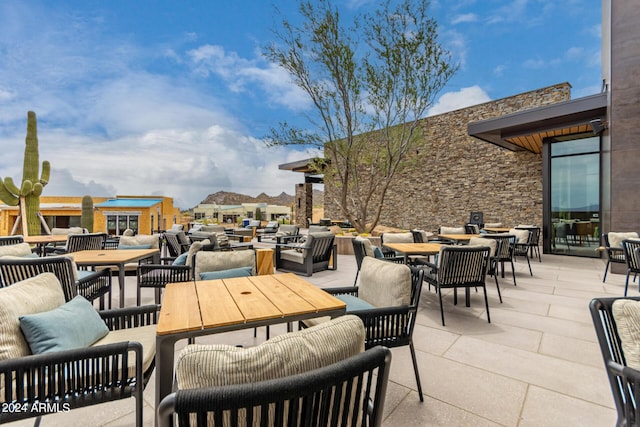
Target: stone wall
454	174
304	204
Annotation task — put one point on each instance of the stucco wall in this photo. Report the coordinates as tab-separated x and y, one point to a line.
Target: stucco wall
455	174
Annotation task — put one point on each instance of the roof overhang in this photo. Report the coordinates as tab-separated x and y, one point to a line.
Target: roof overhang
525	130
307	166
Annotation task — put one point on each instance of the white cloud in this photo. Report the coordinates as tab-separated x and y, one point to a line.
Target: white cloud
465	97
464	18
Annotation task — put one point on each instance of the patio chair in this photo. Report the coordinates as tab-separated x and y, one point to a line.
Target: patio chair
317	253
613	248
619	353
177	242
534	240
288	376
522	244
504	254
632	260
93	285
71	374
11	240
84	242
363	247
308	399
460	267
561	232
386	300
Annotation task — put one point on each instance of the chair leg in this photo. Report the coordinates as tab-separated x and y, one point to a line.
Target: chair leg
439	290
486	303
415	370
626	283
513	273
529	264
606	268
495	276
356	279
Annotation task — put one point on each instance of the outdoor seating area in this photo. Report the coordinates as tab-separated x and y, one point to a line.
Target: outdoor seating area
528	353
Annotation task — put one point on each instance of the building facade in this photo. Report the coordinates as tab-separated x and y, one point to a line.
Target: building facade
144	215
234	214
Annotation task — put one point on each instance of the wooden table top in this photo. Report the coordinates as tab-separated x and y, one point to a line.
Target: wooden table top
497	229
462	237
111	256
215	303
46	238
415	248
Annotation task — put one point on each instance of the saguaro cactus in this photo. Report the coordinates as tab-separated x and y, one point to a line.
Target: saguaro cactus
86	220
28	194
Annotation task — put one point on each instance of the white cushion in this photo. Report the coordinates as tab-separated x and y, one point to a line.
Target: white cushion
224	260
481	241
616	238
626	313
397	237
281	356
145	335
493	224
522	236
452	230
34	295
384	283
368	246
17	250
141	239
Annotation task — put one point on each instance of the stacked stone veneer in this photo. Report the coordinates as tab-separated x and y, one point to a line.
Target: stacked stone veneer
304	204
452	173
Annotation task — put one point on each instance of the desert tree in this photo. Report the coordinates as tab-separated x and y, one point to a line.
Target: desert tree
370	82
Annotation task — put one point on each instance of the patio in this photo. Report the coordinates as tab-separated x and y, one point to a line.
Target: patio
537	363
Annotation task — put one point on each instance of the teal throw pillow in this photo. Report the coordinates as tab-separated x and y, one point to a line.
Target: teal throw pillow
377	252
354	303
134	246
75	324
226	274
181	260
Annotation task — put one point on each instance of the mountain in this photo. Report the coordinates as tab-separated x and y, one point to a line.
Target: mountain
283	199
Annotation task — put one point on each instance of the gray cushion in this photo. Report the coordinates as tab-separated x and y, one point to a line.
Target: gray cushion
482	241
384	284
18	250
616	238
452	230
281	356
627	316
522	236
34	295
75	324
397	237
140	239
224	260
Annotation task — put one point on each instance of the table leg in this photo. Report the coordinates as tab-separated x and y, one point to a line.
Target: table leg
164	367
121	283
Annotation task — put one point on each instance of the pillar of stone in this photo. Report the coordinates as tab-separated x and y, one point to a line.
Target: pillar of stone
304	204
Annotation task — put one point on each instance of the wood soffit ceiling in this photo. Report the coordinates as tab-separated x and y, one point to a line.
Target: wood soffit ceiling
526	130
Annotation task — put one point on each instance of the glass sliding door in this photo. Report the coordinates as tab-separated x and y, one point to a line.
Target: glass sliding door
575	196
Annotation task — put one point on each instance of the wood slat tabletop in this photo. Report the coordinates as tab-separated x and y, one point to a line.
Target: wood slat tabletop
180	309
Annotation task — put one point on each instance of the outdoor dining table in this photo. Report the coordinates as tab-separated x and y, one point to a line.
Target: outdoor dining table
459	237
408	249
42	241
110	257
204	307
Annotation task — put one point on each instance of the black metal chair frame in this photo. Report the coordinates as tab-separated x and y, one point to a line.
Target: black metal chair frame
79	377
94	285
174	246
522	249
534	241
624	381
631	249
344	393
157	276
505	253
390	326
461	267
11	240
360	252
321	253
615	255
85	242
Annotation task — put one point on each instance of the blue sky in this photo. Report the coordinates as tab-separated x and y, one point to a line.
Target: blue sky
173	97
